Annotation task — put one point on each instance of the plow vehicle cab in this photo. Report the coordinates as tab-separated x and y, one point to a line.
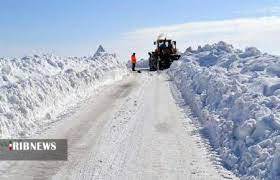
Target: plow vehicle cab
164	54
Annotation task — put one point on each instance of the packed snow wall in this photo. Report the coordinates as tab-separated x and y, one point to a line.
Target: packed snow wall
236	97
35	89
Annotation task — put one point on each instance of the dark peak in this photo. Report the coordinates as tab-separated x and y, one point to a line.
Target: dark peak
100	49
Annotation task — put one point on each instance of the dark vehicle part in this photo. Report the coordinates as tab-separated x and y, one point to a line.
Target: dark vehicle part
163	56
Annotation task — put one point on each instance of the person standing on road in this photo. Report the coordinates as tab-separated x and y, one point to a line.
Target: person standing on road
133	61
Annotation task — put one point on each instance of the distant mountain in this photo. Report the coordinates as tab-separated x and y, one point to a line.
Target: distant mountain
100	50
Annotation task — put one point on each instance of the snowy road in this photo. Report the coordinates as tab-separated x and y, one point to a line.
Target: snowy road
133	129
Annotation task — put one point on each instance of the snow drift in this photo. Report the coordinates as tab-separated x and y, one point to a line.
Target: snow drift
236	96
35	89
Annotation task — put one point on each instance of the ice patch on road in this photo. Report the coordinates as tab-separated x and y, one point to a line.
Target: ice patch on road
35	89
236	96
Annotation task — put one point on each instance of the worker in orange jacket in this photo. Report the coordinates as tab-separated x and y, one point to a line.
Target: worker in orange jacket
133	61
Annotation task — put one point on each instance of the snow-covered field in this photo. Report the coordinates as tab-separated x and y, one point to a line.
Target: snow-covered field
35	89
236	96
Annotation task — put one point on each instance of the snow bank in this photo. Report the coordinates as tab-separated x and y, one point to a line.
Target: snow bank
35	89
236	96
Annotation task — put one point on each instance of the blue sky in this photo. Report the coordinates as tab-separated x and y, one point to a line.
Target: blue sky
72	27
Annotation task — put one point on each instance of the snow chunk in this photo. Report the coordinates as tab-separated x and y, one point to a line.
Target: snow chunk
271	87
250	52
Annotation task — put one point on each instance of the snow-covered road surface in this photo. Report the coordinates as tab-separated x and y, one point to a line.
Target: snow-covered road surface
132	129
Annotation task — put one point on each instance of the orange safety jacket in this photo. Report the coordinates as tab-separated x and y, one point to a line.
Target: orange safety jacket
133	59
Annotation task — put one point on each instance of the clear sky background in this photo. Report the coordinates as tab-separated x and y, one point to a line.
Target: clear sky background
76	28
